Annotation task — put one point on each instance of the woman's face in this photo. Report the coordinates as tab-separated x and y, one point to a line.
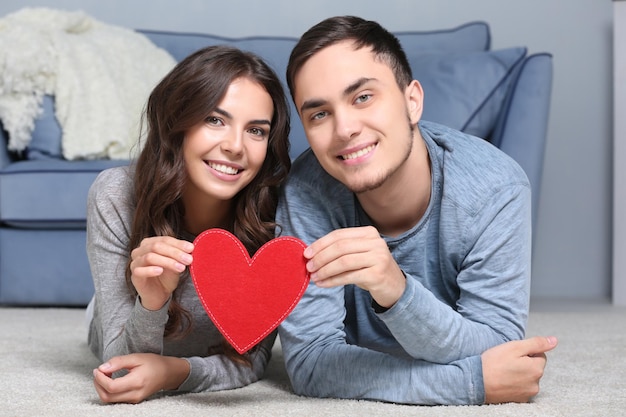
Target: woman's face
225	152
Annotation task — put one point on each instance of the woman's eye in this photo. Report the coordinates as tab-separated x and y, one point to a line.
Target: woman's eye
212	120
257	131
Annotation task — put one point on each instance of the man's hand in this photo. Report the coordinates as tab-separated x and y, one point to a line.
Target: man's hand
511	371
357	256
148	373
156	267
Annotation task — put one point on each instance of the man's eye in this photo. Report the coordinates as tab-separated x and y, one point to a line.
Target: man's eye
363	98
319	115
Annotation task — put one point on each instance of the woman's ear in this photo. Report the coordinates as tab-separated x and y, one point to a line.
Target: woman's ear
414	96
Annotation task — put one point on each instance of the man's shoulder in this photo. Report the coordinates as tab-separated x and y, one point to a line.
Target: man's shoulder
471	168
473	154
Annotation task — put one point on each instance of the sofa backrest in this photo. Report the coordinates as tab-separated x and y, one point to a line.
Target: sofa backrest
465	83
458	51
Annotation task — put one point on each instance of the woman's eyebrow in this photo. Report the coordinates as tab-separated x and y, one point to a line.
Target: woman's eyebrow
230	116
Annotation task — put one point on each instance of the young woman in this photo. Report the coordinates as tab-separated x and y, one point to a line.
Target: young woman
215	152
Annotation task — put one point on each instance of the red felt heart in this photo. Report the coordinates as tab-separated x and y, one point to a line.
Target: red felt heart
247	298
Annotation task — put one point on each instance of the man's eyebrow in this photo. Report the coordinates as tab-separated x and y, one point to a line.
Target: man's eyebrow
313	103
356	85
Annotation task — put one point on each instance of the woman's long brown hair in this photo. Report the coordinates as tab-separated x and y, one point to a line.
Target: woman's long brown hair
185	97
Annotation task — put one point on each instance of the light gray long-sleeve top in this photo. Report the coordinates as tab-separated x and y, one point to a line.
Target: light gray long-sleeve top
120	325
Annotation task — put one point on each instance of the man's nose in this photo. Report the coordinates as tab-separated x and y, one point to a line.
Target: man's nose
347	124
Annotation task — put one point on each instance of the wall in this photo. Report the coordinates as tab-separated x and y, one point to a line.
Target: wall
572	256
619	151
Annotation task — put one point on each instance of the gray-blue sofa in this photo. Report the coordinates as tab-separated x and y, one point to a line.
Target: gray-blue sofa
502	96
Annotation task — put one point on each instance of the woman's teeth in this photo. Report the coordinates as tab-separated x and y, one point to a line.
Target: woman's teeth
358	153
224	169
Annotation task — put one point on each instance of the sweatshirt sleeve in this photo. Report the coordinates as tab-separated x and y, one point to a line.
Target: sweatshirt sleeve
492	278
321	364
124	325
218	372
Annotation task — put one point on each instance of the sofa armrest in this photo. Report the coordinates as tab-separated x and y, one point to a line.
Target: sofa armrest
521	131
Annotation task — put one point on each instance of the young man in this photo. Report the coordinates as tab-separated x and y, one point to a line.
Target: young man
419	238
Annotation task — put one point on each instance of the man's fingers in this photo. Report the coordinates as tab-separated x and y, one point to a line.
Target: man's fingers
331	238
537	346
341	254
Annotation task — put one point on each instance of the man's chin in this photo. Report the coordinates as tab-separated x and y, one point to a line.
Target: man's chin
354	178
360	186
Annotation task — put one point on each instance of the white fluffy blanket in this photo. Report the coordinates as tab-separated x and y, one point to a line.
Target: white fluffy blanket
101	76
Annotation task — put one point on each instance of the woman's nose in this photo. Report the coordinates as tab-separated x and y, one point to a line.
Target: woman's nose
233	143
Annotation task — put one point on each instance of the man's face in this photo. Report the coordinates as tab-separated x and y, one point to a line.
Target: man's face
356	118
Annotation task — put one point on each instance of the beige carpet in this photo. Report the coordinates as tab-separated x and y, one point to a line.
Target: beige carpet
45	370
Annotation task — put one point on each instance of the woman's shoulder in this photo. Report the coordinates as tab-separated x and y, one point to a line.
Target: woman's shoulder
111	184
114	177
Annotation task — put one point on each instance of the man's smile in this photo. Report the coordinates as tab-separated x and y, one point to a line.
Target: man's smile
358	153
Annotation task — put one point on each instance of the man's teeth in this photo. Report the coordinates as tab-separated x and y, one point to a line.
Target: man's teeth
224	169
358	153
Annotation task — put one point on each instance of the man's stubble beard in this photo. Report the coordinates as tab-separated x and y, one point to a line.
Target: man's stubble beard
382	178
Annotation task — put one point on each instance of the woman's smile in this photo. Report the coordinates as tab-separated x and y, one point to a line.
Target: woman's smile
226	171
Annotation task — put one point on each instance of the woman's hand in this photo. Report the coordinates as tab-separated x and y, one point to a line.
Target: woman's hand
156	266
148	373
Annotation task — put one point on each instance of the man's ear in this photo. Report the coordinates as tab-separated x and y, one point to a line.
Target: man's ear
414	96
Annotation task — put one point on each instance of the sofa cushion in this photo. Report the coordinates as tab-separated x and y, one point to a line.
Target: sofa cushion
472	36
48	193
466	90
41	267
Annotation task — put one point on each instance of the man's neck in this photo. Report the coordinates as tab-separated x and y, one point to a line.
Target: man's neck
400	203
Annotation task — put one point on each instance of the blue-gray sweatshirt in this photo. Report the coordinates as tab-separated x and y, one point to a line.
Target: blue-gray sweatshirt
467	266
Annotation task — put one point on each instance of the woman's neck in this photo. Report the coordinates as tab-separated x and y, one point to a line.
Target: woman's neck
207	213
